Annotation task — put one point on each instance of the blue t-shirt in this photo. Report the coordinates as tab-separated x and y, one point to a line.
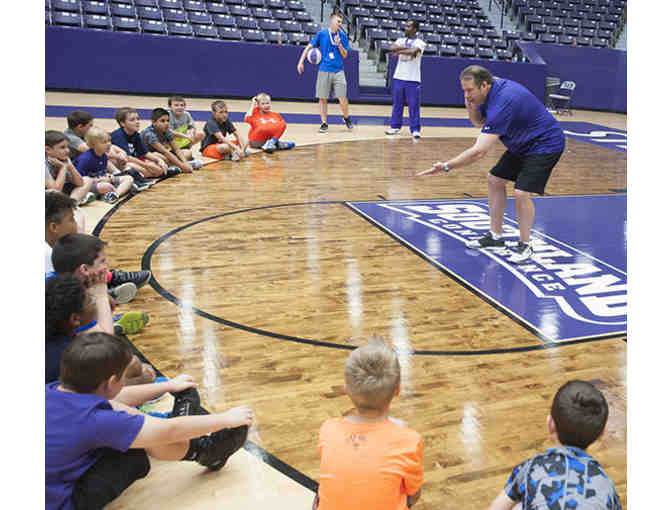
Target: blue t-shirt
89	164
132	144
522	122
562	477
55	346
77	427
332	62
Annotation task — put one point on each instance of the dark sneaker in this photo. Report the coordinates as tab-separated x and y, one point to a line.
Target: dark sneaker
173	171
110	197
214	450
123	293
187	403
139	278
270	146
137	188
324	127
521	253
348	122
487	241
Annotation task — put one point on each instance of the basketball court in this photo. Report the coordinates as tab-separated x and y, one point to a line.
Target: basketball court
267	272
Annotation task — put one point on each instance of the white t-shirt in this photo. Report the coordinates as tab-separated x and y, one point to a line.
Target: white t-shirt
408	68
48	265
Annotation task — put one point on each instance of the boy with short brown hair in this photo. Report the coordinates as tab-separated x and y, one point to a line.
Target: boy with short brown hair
60	173
159	139
368	459
182	124
216	145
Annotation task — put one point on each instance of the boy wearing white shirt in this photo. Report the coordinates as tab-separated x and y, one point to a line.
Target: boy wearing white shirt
406	87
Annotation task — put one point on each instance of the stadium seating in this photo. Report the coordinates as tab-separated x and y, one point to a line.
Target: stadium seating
450	27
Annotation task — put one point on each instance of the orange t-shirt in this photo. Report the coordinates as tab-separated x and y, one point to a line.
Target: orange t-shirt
368	465
265	125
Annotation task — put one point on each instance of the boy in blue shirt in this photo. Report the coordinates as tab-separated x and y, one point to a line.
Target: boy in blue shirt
508	112
565	476
334	46
94	164
97	442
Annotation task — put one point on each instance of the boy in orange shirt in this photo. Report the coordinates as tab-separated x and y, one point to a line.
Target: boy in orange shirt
368	459
266	127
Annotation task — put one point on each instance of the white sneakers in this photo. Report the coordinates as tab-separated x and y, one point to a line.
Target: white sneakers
416	134
396	131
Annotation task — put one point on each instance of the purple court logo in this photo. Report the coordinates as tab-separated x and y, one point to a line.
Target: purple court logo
563	293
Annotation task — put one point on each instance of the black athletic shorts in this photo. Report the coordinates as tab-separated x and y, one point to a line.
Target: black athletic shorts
114	472
530	173
68	187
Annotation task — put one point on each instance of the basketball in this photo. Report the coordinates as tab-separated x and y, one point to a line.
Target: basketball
314	56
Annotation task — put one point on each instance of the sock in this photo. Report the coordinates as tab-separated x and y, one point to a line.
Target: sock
495	235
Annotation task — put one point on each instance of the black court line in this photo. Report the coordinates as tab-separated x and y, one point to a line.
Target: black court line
154	283
253	448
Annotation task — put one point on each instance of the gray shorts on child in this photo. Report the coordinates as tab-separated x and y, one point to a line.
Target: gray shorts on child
327	81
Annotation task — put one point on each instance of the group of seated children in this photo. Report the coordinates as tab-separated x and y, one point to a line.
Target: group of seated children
98	442
86	162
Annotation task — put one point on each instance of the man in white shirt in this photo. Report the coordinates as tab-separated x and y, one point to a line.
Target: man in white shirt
406	86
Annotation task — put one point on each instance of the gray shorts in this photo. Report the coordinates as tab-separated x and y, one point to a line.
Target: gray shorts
327	81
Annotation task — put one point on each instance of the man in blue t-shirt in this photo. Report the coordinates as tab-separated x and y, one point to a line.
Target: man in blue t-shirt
507	111
333	45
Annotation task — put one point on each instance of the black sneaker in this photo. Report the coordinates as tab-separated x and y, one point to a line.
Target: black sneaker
487	241
137	188
324	127
173	171
214	450
521	253
187	403
110	197
348	122
139	278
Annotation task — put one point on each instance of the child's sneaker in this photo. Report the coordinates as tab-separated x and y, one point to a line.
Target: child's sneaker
173	171
137	188
110	197
235	156
90	197
348	123
196	164
269	146
214	450
283	146
124	293
133	322
187	403
138	278
324	127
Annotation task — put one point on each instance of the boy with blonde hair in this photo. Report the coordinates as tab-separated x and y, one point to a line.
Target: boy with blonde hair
266	126
94	164
368	459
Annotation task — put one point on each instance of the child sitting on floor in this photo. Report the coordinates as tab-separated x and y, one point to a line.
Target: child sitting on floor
182	125
216	145
60	173
565	476
94	164
266	127
159	139
97	444
368	459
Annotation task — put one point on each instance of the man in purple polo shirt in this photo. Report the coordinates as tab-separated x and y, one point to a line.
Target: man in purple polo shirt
507	111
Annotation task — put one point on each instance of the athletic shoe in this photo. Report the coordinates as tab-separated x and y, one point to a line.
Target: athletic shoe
324	127
283	146
173	171
348	122
270	146
392	131
139	278
214	450
187	403
110	197
248	151
90	197
521	253
123	294
487	241
196	164
235	156
133	322
140	187
416	134
118	330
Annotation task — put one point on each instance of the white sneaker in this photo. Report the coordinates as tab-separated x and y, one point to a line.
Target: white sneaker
235	156
196	164
416	134
90	197
392	131
521	253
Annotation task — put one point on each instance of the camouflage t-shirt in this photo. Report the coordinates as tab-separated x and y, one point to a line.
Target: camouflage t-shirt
562	478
